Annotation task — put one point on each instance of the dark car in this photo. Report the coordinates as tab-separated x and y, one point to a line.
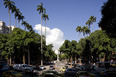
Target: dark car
84	74
3	66
70	72
51	73
51	67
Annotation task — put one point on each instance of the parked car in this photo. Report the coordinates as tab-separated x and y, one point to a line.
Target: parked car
80	67
23	67
94	67
70	72
84	74
12	73
42	68
3	66
51	67
51	74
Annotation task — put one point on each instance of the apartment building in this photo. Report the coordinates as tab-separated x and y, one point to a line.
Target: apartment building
5	29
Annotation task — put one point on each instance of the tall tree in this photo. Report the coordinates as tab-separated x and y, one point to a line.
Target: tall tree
45	17
69	48
100	42
108	20
79	29
14	11
25	24
20	17
16	15
9	4
85	30
90	21
41	11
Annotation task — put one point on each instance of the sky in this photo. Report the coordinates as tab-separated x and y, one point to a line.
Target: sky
64	17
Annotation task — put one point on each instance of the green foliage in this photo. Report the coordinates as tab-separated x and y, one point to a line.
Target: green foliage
102	43
91	20
41	9
20	41
108	20
90	48
69	49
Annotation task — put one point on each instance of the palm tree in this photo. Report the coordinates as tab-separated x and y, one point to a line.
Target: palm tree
14	10
16	15
25	24
79	29
20	17
41	11
9	4
45	17
85	30
90	21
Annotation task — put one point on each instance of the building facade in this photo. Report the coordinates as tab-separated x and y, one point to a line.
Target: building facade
3	28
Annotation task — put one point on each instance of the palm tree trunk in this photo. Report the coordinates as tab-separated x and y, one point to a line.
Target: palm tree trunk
92	27
25	28
19	23
28	56
9	21
15	22
9	30
45	32
41	43
80	35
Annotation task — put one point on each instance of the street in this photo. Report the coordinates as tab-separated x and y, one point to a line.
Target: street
58	65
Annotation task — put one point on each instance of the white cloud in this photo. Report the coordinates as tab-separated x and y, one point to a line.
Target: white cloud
53	36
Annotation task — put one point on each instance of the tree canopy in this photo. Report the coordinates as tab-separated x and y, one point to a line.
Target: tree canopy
108	20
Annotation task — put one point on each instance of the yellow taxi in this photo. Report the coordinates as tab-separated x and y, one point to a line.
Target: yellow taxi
62	69
12	73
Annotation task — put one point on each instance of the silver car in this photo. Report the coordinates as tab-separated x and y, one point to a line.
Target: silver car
23	67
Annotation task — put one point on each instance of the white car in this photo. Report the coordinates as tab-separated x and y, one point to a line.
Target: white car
23	67
41	67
